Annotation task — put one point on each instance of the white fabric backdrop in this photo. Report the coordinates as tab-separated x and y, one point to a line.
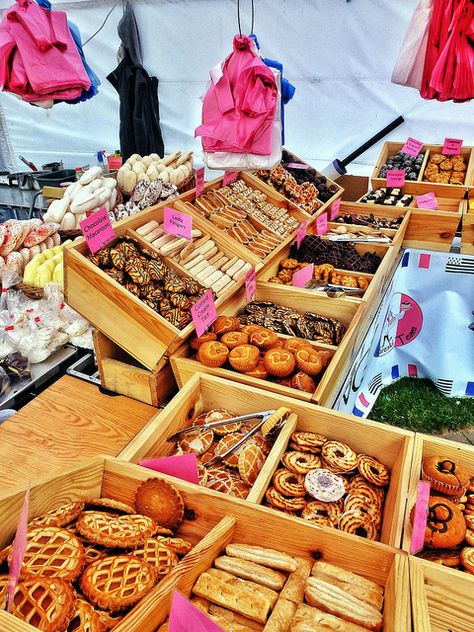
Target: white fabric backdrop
339	54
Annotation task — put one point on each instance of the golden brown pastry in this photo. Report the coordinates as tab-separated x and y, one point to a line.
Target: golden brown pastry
281	617
295	586
308	619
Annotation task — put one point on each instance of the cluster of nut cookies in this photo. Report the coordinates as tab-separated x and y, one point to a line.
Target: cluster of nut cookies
259	352
323	273
445	169
328	483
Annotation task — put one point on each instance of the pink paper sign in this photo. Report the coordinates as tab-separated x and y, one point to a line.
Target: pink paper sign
199	181
395	178
452	146
335	207
18	550
184	616
322	224
177	223
296	165
428	200
412	147
303	276
230	176
301	234
251	284
204	312
420	518
97	230
183	466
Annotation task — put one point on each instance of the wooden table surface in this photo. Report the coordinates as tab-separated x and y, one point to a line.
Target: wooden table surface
64	425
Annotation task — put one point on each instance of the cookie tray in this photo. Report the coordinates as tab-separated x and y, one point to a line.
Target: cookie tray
451	204
121	316
348	312
391	446
419	187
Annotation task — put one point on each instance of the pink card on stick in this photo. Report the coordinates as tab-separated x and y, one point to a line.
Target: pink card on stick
395	178
301	234
199	181
230	176
184	617
204	312
250	284
97	230
183	466
303	276
335	206
177	223
18	550
428	200
420	517
322	224
412	147
452	146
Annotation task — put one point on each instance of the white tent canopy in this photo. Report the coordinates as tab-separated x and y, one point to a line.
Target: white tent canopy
338	54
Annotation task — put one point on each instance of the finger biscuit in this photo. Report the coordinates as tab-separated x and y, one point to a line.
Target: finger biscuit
281	617
295	586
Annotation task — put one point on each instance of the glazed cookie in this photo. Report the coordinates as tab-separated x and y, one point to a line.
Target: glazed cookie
213	354
339	456
359	502
358	523
301	462
373	471
244	358
324	485
309	361
282	502
279	362
467	559
308	441
233	339
289	483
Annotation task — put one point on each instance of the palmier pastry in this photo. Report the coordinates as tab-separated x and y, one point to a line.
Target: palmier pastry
279	362
309	361
339	455
301	462
467	559
283	502
197	341
358	523
289	483
445	526
223	324
309	441
161	501
264	339
444	475
233	339
375	472
244	358
213	354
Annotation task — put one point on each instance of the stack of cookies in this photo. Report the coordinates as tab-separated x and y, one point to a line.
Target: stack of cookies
254	588
201	257
344	256
143	272
87	563
445	169
449	536
259	352
328	483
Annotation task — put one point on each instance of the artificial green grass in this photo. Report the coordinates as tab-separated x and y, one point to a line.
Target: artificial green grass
418	405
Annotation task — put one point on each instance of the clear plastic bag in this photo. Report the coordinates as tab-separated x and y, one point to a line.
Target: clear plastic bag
10	278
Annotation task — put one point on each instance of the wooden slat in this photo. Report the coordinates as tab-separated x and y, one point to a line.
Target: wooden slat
432	230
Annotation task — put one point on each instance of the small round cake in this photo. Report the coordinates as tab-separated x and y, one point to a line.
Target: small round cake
279	362
445	527
445	476
213	354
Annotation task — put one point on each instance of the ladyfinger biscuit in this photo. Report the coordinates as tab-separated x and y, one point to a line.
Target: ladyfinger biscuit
207	247
238	265
186	251
205	272
308	619
213	278
295	586
173	247
193	261
197	269
147	228
223	284
216	257
281	617
263	556
242	273
229	264
164	239
252	571
154	234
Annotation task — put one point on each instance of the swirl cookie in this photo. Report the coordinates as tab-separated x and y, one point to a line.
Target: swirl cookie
339	456
289	483
301	462
308	441
374	472
282	502
358	523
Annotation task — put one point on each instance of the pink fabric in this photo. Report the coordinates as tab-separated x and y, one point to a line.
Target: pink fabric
39	56
239	108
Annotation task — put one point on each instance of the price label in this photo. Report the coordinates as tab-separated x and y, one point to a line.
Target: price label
177	223
199	181
452	146
428	200
395	178
97	230
18	550
335	206
296	165
204	312
322	224
301	234
184	616
303	276
230	176
420	518
412	147
183	466
251	284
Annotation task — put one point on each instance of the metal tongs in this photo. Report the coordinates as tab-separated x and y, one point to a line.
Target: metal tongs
359	240
331	287
281	414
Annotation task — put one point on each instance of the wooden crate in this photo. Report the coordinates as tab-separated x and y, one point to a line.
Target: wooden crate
391	212
120	373
467	234
432	230
201	393
391	446
348	312
419	187
121	316
441	598
426	446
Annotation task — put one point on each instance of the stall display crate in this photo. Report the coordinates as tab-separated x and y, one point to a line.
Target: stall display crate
467	234
125	319
452	204
391	446
120	373
432	230
419	187
348	312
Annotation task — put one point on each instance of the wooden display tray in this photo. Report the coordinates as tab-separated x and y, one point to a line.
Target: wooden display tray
273	196
418	187
348	312
125	319
390	445
452	204
441	599
432	230
217	521
120	373
467	234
